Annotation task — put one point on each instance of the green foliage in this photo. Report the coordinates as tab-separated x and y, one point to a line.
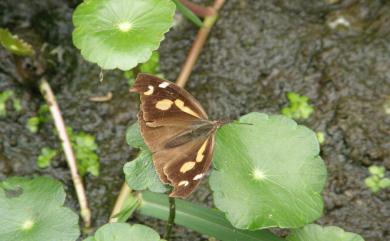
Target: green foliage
152	66
188	13
124	232
128	208
377	180
299	107
208	221
268	174
44	159
34	122
140	173
14	44
314	232
17	105
121	34
32	210
320	137
84	146
386	105
5	96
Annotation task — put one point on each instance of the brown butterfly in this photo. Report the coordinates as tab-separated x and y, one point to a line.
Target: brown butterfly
177	131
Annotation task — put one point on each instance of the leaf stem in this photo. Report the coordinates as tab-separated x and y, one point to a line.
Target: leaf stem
55	111
207	221
198	44
171	219
199	10
123	195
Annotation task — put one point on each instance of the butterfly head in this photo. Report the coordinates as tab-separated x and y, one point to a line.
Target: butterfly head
219	123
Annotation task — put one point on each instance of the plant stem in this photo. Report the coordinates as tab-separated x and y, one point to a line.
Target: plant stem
55	111
208	221
171	219
199	10
198	44
123	194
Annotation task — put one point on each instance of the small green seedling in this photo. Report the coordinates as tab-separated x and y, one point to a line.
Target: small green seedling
320	137
299	107
34	122
377	180
85	147
46	156
5	96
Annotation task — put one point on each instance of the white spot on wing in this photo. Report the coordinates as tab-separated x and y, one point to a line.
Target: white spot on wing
150	91
187	166
200	154
163	85
164	104
197	177
182	107
183	183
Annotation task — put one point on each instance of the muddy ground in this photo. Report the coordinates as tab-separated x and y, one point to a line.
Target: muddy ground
335	52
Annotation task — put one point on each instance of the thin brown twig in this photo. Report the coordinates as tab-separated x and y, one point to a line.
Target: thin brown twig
103	98
67	147
198	44
199	10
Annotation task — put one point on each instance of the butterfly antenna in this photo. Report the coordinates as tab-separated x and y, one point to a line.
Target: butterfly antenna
241	123
236	122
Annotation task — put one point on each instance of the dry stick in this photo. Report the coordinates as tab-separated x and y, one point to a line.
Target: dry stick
66	145
181	81
199	10
198	45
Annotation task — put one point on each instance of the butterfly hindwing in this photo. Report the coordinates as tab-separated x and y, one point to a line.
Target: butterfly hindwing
187	170
176	130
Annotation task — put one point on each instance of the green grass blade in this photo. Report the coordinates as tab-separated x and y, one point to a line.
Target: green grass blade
188	13
203	220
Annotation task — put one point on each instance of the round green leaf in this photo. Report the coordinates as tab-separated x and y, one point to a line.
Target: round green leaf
268	173
140	172
121	34
314	232
124	232
33	210
134	137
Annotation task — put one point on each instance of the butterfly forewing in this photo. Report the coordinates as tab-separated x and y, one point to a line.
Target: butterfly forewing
176	129
162	99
